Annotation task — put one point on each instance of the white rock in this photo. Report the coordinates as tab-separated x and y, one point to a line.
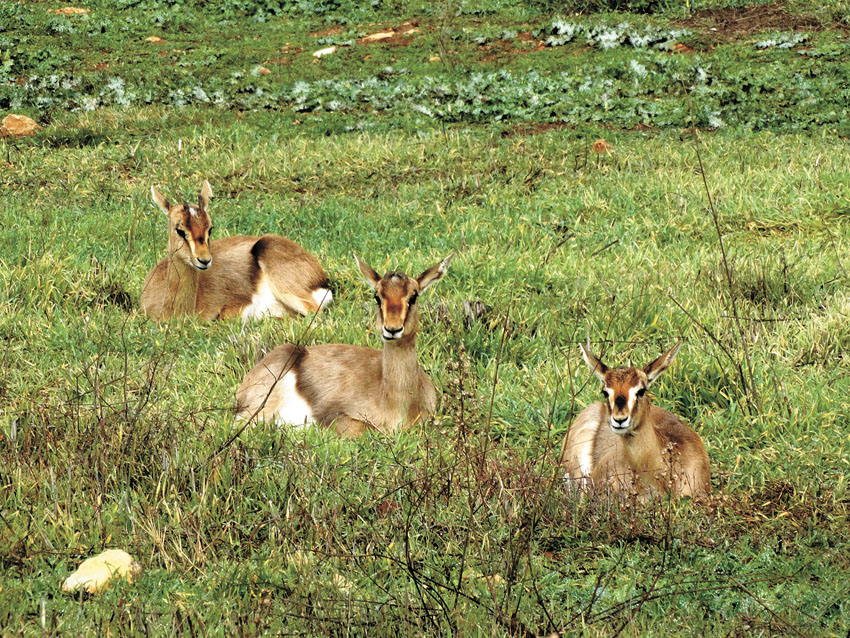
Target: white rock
383	35
94	573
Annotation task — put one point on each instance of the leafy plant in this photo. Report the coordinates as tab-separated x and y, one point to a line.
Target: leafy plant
601	6
783	41
561	32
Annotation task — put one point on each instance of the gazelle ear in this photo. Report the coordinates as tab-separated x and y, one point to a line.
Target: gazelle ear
368	272
205	196
160	201
654	369
434	273
595	364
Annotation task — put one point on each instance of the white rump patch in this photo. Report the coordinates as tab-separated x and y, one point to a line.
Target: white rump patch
292	410
585	459
263	303
585	435
323	297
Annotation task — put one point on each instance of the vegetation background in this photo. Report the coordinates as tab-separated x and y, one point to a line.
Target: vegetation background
473	128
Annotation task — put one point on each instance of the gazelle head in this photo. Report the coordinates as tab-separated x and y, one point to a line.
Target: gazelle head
624	389
190	228
396	295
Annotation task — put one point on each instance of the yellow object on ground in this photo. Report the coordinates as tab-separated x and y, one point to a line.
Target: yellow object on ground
94	573
17	125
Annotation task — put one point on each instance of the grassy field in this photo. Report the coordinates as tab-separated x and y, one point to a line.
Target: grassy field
469	134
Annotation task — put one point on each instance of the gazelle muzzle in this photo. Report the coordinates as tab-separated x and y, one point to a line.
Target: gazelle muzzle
391	334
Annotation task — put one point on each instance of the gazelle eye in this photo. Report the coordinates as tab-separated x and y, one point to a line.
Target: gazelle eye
181	232
605	393
209	233
378	300
412	299
641	392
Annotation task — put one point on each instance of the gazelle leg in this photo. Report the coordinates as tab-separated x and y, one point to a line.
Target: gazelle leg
351	428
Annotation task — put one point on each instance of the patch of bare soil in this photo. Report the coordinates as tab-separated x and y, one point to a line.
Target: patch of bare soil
332	31
501	49
730	23
498	50
288	54
538	128
535	128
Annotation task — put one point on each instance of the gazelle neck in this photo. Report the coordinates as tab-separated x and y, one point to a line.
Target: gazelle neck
399	368
641	444
182	285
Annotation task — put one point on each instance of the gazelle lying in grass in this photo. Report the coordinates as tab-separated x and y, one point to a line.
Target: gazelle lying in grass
250	276
353	387
626	442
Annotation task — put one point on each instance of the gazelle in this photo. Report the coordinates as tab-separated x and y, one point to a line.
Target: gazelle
250	276
353	387
626	442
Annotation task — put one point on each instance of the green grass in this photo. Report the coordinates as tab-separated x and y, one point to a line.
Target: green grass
115	432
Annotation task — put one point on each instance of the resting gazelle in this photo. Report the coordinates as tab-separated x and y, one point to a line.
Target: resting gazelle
629	444
250	276
353	387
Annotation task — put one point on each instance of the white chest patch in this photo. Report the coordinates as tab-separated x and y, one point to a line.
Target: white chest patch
292	410
263	303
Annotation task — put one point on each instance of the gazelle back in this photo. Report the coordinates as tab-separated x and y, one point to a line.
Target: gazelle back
352	387
631	445
248	276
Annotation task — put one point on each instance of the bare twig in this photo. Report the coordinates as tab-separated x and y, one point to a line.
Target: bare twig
753	397
605	247
498	360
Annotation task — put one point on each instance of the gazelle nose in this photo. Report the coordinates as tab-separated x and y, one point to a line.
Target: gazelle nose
620	421
204	262
392	334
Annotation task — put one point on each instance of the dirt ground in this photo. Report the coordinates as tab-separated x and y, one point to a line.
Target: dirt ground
731	23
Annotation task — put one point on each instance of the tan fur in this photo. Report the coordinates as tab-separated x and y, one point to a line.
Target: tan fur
657	454
354	388
219	279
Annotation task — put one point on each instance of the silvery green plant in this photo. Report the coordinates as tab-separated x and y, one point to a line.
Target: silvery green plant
605	36
784	41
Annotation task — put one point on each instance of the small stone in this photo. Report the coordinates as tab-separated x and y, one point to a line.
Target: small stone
376	37
17	125
322	52
155	39
602	146
261	70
